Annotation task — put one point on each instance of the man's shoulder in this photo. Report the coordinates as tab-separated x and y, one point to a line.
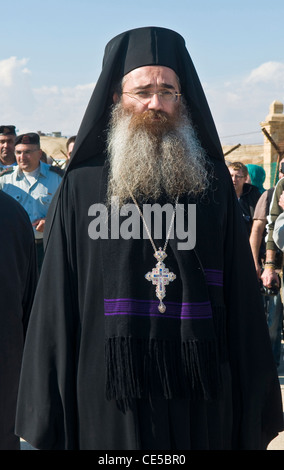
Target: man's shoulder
51	171
57	170
280	185
91	168
7	171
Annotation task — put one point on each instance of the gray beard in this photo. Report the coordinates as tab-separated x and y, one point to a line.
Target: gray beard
149	164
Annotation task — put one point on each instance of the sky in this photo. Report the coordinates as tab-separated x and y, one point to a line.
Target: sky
51	56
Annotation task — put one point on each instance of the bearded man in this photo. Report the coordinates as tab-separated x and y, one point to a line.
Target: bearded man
140	344
155	153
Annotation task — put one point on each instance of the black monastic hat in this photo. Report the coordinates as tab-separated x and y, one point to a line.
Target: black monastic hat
137	48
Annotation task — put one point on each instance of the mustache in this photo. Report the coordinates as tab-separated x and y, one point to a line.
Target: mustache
156	122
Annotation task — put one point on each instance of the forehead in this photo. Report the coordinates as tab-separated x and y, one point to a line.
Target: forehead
22	147
7	138
235	171
152	75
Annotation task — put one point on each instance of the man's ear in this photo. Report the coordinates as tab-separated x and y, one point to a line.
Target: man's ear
115	97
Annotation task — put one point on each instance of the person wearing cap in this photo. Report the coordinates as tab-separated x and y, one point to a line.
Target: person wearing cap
32	183
140	337
7	147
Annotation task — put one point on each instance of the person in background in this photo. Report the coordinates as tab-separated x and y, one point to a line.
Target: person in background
273	303
18	274
278	232
32	183
7	147
247	194
270	276
256	176
69	148
70	145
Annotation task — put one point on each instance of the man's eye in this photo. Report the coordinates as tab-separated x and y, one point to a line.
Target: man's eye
143	94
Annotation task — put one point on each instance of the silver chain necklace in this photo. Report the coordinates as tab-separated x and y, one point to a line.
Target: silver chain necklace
160	275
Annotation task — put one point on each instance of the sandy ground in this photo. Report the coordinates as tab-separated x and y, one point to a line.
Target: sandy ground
54	147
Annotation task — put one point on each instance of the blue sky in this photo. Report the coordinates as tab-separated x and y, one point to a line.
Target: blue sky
52	52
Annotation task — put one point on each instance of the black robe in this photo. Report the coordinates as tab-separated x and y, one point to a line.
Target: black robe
62	400
248	201
18	275
101	369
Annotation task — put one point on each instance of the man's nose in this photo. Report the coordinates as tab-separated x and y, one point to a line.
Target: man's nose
155	102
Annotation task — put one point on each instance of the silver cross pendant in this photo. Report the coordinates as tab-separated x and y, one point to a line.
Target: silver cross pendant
160	277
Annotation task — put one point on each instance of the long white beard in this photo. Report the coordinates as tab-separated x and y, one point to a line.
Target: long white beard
153	159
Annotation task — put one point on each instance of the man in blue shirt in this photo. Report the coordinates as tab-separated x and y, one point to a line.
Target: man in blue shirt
32	183
7	146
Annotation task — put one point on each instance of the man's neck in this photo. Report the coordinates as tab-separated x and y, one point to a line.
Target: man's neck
9	160
32	173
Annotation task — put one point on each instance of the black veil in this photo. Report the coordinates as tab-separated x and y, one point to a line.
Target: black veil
138	48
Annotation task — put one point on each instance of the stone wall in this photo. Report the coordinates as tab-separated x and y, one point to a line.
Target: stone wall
245	154
274	141
271	152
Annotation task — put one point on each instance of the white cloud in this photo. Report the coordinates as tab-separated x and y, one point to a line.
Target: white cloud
11	70
241	104
61	109
16	96
45	109
269	72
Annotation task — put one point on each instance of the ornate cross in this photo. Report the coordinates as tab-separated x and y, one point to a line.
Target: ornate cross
160	277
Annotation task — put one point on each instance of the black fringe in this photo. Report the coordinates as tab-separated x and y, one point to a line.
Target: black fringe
137	368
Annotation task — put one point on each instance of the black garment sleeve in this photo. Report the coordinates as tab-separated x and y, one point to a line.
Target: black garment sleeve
46	412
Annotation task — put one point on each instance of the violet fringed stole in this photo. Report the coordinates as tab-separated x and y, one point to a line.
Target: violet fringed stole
149	353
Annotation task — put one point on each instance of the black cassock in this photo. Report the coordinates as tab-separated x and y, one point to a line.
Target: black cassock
17	286
102	368
63	402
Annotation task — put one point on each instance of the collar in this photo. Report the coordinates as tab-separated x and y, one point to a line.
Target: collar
247	187
44	169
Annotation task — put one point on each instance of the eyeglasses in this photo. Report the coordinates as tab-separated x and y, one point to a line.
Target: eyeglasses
25	153
238	177
165	96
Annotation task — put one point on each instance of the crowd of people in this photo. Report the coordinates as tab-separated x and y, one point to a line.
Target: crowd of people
255	204
27	177
130	342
